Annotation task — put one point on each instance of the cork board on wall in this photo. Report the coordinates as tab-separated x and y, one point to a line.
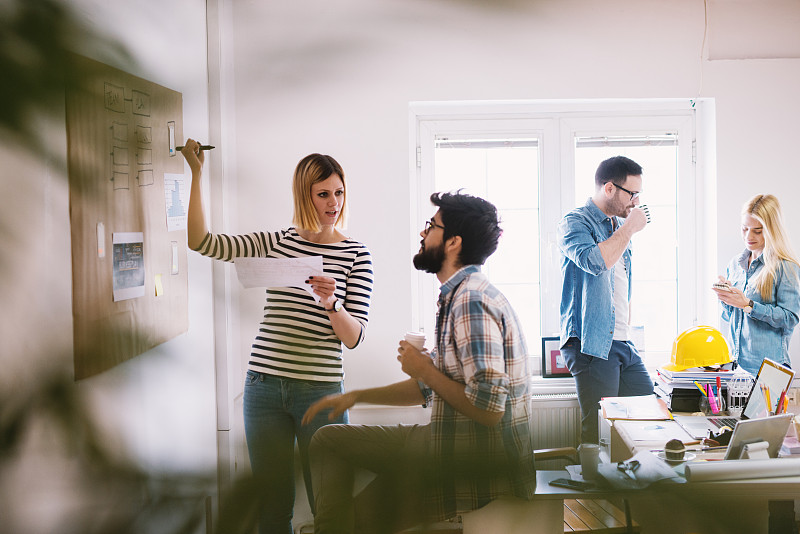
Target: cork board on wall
129	281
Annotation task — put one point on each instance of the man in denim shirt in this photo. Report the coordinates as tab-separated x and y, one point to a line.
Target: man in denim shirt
596	267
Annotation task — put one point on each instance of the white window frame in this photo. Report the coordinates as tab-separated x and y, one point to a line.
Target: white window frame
556	123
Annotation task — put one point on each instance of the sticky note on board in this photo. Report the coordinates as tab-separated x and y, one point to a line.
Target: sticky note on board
101	240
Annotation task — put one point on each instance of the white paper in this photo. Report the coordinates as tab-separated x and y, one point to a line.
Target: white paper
742	469
661	431
279	272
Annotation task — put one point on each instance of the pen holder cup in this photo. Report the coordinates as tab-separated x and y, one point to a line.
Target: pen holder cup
705	405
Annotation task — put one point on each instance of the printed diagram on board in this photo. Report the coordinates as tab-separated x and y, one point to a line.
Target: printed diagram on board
128	160
129	269
176	193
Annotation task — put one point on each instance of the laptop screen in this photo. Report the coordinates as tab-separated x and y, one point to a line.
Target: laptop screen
772	380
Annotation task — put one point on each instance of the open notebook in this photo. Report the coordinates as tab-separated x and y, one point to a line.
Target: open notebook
772	380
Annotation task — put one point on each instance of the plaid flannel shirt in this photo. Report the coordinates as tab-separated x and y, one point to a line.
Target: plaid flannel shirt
479	342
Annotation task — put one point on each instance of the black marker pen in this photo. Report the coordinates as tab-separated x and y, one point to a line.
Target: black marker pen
202	147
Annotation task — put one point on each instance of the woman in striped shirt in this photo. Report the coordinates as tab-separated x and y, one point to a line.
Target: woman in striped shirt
296	357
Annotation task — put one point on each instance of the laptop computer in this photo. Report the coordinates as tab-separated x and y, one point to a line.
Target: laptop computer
772	380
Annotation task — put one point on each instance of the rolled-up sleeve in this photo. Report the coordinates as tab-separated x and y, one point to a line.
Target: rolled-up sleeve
482	355
576	242
783	314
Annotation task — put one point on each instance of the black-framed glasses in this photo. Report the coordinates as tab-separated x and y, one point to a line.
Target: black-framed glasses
431	224
633	194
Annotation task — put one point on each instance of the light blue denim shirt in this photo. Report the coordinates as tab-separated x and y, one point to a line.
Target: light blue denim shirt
766	331
587	292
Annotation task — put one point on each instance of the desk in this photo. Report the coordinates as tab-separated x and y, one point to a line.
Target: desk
750	500
729	507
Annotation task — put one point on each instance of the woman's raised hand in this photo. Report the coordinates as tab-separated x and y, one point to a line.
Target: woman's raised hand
194	156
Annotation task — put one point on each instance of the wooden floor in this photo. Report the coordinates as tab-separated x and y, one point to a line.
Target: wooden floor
590	515
580	515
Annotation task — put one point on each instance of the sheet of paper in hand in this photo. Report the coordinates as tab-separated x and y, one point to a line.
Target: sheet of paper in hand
279	272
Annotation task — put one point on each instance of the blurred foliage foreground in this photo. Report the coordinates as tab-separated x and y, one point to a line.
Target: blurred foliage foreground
58	474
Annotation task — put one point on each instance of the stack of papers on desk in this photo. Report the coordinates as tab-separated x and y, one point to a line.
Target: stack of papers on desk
678	388
642	408
700	374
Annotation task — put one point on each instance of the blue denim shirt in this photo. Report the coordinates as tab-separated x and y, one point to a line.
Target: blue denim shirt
587	292
766	331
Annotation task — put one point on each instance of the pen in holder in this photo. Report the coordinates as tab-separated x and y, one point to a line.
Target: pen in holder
712	405
646	211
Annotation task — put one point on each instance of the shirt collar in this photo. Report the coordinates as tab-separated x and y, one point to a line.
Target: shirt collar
595	212
745	256
457	278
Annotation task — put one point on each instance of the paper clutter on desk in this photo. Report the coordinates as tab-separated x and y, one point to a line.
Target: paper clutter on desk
742	469
638	472
640	407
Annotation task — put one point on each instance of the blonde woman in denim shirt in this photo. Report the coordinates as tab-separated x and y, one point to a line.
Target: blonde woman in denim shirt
762	306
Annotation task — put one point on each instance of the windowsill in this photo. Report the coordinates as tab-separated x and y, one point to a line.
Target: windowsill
542	386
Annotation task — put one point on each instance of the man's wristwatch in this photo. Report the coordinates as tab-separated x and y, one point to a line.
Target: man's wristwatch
337	306
747	309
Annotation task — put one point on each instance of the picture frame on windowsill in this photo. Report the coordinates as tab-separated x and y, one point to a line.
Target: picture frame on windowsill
553	364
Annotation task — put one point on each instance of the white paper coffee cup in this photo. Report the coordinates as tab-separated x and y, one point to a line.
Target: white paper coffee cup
417	339
589	454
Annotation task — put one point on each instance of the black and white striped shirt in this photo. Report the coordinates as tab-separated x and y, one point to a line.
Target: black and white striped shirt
296	339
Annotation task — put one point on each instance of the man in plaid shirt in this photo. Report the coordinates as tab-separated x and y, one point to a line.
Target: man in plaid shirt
477	445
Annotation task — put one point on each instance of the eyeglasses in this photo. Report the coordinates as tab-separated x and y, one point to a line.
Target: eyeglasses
430	224
633	194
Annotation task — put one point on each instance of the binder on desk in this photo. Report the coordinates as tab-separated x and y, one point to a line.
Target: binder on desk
640	408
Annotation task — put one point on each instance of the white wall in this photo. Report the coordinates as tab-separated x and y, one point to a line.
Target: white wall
159	406
336	77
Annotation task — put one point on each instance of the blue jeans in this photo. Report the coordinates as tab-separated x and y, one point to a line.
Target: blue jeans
623	374
273	412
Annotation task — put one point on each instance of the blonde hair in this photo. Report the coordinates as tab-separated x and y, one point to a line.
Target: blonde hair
313	169
767	210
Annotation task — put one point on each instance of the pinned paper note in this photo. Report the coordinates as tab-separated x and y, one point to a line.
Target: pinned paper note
279	272
129	265
174	267
159	286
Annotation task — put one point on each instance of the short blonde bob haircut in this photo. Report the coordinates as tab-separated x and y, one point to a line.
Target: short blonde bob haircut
313	169
767	210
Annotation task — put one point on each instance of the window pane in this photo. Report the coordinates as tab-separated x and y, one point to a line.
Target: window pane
655	247
517	257
650	302
524	298
508	177
458	168
517	173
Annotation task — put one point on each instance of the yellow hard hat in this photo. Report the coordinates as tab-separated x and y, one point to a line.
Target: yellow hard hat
699	346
